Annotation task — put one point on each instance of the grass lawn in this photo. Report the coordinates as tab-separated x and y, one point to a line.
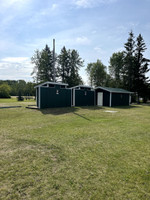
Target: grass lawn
74	153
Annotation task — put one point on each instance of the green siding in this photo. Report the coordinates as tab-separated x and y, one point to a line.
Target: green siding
84	100
120	99
50	98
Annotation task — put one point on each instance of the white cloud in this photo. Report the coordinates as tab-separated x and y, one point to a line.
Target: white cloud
14	59
15	68
91	3
99	50
18	3
82	40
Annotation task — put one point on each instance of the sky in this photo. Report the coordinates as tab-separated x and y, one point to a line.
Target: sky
95	28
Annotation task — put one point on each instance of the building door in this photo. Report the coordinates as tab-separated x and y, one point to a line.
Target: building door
100	99
73	97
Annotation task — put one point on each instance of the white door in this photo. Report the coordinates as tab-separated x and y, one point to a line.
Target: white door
100	99
73	97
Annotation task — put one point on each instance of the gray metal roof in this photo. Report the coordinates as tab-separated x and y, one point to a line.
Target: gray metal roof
84	86
114	90
54	83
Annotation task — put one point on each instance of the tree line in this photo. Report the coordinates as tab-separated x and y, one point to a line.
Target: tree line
16	88
127	69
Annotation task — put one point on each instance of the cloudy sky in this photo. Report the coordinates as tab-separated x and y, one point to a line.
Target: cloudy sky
96	28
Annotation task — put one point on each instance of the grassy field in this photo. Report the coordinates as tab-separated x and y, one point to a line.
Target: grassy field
74	153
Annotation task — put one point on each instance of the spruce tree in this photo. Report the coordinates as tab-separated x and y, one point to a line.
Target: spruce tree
69	66
141	67
63	61
43	68
129	63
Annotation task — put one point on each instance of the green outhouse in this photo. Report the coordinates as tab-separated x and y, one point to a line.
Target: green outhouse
82	95
53	94
105	96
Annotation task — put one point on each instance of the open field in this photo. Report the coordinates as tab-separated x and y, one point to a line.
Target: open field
74	153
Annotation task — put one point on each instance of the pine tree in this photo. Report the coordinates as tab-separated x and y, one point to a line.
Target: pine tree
63	60
141	67
129	63
69	65
43	68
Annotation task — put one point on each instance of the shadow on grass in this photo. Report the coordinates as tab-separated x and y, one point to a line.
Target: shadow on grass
64	110
81	116
58	111
10	107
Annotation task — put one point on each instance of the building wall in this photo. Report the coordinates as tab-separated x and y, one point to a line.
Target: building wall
120	99
55	97
106	96
84	97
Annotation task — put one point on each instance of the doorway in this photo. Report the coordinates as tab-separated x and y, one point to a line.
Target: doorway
100	98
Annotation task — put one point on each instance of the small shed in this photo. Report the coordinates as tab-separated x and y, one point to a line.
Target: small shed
111	97
82	95
52	94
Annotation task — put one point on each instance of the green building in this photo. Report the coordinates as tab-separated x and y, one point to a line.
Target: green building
52	94
111	97
83	95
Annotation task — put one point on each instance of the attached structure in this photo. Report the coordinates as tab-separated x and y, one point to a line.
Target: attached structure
111	97
83	95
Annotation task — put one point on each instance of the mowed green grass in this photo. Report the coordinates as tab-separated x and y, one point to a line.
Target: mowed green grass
74	153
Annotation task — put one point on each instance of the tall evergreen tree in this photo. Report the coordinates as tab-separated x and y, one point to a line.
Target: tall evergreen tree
69	65
43	62
63	60
141	67
129	63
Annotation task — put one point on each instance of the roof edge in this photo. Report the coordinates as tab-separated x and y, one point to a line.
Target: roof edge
86	86
48	82
126	92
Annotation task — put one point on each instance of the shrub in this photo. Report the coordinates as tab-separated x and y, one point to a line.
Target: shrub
4	91
20	97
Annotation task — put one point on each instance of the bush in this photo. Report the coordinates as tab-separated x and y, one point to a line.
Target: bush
4	91
20	97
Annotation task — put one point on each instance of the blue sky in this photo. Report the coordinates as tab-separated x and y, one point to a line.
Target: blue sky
96	28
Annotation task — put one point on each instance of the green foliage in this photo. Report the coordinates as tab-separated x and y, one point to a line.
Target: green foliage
97	73
4	91
20	97
116	68
69	64
26	89
129	63
43	65
128	68
141	69
63	61
29	89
